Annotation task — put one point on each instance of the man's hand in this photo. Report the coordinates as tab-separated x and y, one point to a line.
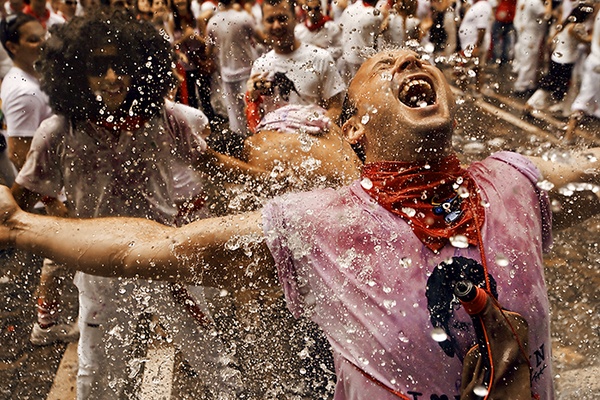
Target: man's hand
259	85
8	207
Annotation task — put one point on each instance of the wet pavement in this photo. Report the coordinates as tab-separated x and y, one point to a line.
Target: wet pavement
572	267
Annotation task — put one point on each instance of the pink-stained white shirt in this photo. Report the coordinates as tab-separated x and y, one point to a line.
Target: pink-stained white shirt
360	273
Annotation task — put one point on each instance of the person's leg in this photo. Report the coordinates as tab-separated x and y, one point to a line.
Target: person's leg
107	308
184	314
233	93
48	328
527	56
497	41
587	100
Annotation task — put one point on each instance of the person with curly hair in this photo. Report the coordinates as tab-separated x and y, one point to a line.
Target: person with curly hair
119	149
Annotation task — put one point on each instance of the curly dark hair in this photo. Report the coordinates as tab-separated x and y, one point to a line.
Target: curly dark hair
64	60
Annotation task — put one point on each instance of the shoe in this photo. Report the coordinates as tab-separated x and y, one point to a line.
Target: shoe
55	333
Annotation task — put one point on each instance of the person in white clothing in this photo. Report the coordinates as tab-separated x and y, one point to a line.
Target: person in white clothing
530	23
24	104
587	101
319	29
25	107
475	35
555	84
129	147
307	71
232	35
46	17
361	25
401	24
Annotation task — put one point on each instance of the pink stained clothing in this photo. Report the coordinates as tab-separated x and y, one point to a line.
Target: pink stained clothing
360	273
295	118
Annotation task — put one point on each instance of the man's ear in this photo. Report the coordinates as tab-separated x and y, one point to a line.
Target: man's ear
12	47
353	130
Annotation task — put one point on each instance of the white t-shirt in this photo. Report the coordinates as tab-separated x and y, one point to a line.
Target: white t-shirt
310	68
396	33
231	32
24	104
329	37
360	26
477	17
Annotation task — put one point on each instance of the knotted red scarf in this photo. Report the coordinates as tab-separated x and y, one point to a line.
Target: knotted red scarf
413	190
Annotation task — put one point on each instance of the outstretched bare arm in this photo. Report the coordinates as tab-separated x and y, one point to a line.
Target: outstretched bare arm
223	252
583	166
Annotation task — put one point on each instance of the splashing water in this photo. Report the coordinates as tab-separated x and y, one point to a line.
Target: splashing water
459	241
439	335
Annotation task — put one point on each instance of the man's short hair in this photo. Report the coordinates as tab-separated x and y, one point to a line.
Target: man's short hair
272	3
9	29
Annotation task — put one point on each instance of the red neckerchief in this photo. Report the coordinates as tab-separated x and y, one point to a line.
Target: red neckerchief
414	191
122	124
315	27
42	19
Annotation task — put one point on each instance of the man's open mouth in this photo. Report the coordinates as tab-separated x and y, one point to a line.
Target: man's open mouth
417	93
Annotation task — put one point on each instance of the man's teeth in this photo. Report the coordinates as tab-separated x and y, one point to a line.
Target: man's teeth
416	82
417	93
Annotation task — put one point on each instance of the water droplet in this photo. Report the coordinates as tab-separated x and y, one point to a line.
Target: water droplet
463	192
439	335
405	262
480	390
387	289
402	337
409	211
365	119
545	185
366	184
389	304
459	241
501	260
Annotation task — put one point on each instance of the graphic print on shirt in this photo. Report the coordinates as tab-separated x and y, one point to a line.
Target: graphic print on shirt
441	301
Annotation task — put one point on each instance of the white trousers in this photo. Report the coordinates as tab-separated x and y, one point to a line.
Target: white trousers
107	359
527	51
588	99
233	99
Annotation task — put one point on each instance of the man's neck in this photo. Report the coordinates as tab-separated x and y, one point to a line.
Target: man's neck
29	69
288	48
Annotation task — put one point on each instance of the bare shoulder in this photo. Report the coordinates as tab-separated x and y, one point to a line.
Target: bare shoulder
316	160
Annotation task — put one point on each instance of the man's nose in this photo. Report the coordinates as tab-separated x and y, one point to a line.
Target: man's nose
111	75
408	62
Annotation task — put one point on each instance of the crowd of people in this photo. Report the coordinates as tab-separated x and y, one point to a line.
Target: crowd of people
178	112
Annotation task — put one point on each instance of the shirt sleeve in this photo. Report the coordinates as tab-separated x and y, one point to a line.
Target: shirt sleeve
530	171
23	115
276	231
188	127
41	172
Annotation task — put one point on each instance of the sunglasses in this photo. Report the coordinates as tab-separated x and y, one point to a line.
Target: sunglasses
70	3
98	65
